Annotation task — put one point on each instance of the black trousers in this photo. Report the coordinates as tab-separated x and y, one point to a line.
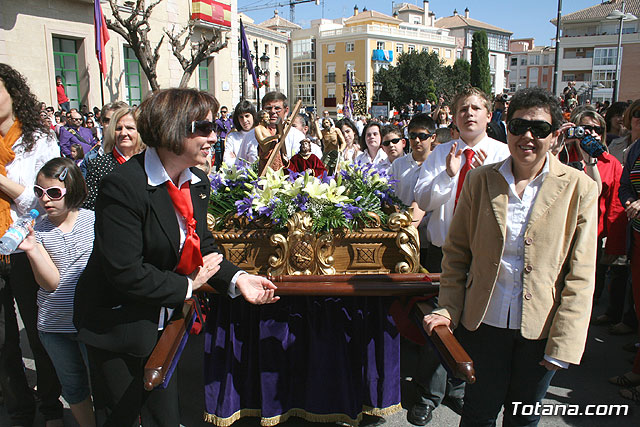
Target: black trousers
119	397
507	374
18	282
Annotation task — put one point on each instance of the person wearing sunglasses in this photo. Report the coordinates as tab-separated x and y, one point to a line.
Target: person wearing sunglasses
26	144
519	267
75	133
393	144
430	378
630	199
64	234
152	250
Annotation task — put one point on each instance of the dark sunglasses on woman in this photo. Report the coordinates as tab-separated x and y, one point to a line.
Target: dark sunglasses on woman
538	128
201	127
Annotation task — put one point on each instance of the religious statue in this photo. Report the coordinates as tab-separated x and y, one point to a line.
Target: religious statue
268	137
333	142
307	161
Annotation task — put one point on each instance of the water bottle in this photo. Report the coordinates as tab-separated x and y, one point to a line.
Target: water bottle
18	231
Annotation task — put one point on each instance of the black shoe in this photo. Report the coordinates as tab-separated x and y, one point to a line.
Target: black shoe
454	403
419	414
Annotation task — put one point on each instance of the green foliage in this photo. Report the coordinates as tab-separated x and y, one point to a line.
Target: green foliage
415	75
480	75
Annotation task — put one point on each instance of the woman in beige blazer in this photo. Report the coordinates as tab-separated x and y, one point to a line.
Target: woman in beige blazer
519	267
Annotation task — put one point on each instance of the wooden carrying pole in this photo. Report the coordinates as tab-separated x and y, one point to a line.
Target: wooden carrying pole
452	353
278	146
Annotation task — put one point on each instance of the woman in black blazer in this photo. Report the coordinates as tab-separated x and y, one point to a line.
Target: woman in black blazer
145	260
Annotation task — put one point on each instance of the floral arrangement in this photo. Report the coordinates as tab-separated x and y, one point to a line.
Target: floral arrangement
349	200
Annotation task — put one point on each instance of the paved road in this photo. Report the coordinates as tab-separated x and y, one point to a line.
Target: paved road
581	385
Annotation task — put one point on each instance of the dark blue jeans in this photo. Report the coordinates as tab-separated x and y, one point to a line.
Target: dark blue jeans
507	371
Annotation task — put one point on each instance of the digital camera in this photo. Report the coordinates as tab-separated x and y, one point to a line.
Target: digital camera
576	132
591	146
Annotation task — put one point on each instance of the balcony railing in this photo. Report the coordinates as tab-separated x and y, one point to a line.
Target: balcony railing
413	34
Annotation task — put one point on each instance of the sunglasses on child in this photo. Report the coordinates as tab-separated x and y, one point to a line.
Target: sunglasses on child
391	141
421	136
201	127
538	128
54	193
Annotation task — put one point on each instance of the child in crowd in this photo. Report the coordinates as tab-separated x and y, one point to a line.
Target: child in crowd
58	251
393	143
77	154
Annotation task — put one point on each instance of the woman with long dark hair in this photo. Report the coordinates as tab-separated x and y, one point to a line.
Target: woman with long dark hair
244	119
26	144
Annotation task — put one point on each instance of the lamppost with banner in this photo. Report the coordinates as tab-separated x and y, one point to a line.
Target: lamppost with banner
262	70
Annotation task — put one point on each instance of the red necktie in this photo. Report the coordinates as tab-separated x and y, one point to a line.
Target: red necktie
191	256
468	154
119	157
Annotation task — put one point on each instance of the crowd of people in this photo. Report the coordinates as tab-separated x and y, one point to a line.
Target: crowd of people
527	205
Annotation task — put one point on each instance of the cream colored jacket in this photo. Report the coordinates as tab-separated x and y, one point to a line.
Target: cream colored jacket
559	256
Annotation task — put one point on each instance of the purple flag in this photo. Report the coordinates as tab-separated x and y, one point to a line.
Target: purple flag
245	52
102	35
348	96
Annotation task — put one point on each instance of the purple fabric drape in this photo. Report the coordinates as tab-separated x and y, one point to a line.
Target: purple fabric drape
324	359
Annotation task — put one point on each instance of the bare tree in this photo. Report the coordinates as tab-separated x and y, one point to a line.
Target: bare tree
135	30
201	48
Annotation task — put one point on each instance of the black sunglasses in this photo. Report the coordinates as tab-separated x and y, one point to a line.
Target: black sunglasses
597	129
421	136
538	128
391	141
54	193
201	127
636	114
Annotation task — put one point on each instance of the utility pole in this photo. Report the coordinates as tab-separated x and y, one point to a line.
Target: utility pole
557	59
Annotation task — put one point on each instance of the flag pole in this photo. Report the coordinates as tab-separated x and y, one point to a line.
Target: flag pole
101	91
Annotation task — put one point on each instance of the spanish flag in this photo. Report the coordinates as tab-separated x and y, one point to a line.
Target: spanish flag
214	11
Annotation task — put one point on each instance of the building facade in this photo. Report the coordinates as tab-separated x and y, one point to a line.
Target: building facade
530	65
589	47
462	28
364	43
46	38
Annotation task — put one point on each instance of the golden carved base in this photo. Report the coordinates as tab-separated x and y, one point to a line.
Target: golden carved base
302	251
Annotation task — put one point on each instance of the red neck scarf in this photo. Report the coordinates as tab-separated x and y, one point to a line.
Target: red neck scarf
191	257
119	157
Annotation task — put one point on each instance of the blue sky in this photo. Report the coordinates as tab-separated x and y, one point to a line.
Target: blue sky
524	18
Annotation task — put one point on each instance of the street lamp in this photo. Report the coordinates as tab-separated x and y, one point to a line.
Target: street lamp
621	16
261	70
377	90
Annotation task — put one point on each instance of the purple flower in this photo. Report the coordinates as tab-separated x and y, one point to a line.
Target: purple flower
244	207
266	210
301	201
293	176
217	181
349	211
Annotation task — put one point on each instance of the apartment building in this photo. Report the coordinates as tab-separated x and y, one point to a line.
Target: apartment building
589	47
530	65
462	28
364	42
46	38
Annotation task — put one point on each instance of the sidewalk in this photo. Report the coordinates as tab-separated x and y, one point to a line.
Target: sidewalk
579	385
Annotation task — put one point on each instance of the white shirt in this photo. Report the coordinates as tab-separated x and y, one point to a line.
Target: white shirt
249	148
435	190
24	168
157	176
232	144
505	304
404	174
364	157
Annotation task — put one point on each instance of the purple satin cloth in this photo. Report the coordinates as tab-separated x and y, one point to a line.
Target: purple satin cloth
326	356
